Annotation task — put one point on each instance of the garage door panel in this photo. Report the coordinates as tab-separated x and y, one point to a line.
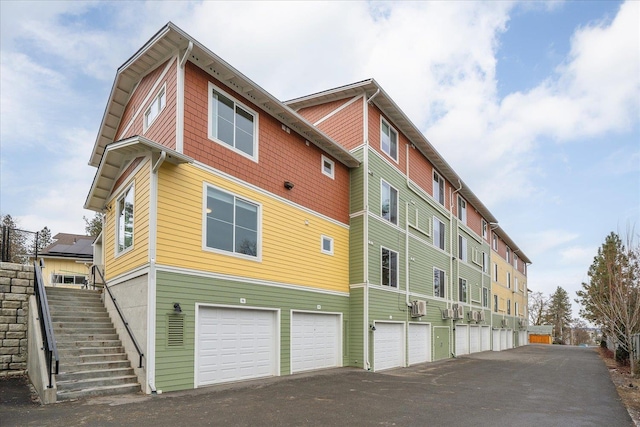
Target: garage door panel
315	341
235	344
419	343
388	346
485	338
462	340
474	339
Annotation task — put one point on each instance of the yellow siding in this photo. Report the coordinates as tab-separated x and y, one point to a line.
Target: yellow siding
63	266
139	254
504	293
290	237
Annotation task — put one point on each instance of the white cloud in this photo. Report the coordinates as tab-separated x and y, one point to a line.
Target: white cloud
578	255
545	241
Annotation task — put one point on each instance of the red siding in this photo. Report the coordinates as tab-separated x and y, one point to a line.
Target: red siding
163	129
345	127
282	156
474	220
374	139
315	113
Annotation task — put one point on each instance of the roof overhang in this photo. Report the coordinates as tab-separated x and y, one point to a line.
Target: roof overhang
171	40
374	92
113	158
511	244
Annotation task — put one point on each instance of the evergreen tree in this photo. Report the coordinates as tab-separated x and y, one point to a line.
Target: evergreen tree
558	314
93	226
44	238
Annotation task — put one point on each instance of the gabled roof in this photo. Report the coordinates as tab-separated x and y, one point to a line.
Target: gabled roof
381	99
70	246
512	245
112	160
166	43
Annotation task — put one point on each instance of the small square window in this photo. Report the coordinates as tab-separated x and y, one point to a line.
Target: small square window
327	245
328	167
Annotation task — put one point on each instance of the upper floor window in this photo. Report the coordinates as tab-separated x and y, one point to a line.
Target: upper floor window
438	283
438	233
485	297
508	306
124	220
485	263
462	290
462	210
328	167
438	188
389	140
462	248
515	261
495	303
485	229
508	255
515	308
155	108
232	123
495	242
495	272
515	284
389	268
231	223
389	202
508	280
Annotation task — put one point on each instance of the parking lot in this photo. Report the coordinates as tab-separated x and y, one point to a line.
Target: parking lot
534	385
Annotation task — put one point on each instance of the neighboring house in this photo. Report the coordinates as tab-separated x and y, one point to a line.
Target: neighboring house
226	235
245	237
510	294
418	235
67	261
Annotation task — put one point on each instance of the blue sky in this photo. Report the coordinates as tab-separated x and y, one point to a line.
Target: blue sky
535	104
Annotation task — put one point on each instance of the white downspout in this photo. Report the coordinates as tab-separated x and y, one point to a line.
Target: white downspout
406	231
365	165
451	283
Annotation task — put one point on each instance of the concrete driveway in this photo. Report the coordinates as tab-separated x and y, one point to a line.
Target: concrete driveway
528	386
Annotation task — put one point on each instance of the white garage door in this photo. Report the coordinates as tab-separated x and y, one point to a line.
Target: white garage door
462	340
419	343
496	340
235	344
509	338
523	339
474	339
316	341
503	339
388	346
485	338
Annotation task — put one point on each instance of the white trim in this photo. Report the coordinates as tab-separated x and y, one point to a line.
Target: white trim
391	128
420	192
114	192
331	175
180	77
257	189
357	214
397	286
161	92
442	285
150	351
199	305
256	128
466	300
337	110
124	277
258	257
331	242
444	188
249	280
130	188
391	187
146	99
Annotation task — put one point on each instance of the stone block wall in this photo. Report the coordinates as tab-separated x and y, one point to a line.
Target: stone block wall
16	285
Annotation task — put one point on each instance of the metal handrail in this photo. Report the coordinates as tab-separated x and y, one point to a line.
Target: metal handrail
95	268
49	342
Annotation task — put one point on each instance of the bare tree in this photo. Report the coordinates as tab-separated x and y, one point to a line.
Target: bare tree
537	307
611	298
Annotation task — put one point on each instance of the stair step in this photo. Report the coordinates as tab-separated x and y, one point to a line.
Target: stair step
95	373
55	290
76	351
78	326
87	358
85	317
86	331
67	338
69	345
93	366
99	391
54	309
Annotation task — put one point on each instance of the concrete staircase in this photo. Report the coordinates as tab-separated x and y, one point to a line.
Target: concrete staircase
92	359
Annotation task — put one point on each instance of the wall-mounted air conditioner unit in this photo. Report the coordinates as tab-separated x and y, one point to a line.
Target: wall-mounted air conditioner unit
505	323
458	311
481	316
418	308
447	313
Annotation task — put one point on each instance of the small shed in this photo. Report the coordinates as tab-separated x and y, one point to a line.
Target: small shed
540	334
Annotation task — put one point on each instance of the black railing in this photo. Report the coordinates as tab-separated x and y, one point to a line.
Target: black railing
95	268
46	325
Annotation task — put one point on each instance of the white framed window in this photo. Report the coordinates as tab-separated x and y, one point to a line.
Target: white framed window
515	284
124	220
328	167
515	261
495	242
462	248
485	263
388	139
155	108
508	280
485	229
495	272
515	308
389	263
389	202
508	306
68	279
232	123
438	233
495	303
462	210
485	297
326	245
438	188
508	255
439	283
232	224
462	289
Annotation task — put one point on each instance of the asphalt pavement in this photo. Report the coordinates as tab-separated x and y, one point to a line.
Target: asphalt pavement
533	385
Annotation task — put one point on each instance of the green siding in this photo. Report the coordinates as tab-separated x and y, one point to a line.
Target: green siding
441	340
175	365
356	184
423	259
356	328
356	250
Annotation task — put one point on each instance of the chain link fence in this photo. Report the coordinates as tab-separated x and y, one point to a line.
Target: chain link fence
17	245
